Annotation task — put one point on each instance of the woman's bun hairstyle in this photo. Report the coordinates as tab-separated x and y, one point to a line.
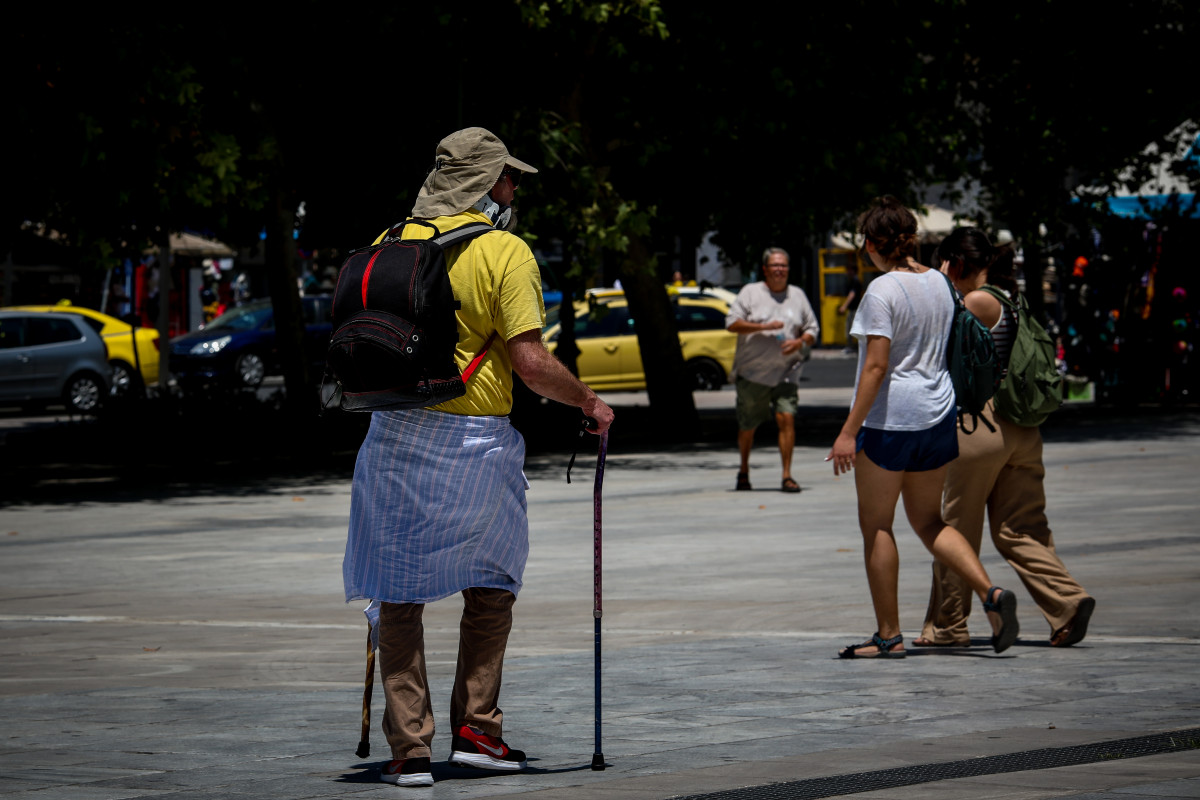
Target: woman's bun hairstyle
891	227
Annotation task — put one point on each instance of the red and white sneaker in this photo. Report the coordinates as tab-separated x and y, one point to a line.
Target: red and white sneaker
407	772
474	748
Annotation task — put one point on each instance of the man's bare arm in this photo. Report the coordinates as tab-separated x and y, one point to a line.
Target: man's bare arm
745	326
546	375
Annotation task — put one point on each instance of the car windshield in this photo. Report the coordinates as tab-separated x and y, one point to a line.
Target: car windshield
242	318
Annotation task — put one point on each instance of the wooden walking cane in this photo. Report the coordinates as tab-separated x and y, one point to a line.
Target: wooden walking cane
597	607
364	742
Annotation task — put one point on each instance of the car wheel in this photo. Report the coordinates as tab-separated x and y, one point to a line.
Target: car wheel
250	369
126	383
84	393
706	374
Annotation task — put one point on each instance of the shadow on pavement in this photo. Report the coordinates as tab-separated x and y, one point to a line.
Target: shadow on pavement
167	448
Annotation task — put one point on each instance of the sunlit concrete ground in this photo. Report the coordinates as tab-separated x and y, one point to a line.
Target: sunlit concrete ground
191	641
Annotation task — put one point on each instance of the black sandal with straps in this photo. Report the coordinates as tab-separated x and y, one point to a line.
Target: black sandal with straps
883	648
1006	606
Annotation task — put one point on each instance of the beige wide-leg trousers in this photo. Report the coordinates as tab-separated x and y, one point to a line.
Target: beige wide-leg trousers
1001	473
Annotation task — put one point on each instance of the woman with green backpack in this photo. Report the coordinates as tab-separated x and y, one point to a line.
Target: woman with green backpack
999	467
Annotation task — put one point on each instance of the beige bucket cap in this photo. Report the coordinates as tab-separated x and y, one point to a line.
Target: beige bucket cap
467	166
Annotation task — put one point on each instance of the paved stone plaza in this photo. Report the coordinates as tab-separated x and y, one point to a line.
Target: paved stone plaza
190	641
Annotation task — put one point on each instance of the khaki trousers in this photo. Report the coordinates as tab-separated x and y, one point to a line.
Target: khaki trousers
483	636
1002	473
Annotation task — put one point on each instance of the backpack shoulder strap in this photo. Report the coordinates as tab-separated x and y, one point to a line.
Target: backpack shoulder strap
959	307
1003	297
447	239
396	232
464	234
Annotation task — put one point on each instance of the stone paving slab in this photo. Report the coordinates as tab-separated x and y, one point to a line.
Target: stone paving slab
184	645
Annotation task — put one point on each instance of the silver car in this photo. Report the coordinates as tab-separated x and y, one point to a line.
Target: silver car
50	357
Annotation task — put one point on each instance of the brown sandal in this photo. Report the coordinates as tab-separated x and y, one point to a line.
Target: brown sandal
1074	631
921	641
790	486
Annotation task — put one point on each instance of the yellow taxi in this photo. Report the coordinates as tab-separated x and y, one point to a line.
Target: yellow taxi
609	357
132	373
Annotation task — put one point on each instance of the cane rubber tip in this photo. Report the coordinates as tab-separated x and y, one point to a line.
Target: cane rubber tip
598	762
364	750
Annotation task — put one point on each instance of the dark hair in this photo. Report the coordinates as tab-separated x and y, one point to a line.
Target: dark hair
891	227
970	251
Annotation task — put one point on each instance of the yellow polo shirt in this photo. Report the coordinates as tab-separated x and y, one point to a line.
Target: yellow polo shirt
496	280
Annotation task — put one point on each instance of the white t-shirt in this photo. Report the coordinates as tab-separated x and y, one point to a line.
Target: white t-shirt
914	311
758	357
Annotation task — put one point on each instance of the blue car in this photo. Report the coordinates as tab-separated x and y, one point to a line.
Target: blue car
238	350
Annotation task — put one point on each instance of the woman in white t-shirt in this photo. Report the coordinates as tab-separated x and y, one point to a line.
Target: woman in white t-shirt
900	433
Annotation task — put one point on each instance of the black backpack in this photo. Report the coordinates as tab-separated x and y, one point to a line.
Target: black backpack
971	357
394	328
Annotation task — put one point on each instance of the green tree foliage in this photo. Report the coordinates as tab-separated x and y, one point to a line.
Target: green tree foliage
653	121
597	135
120	139
114	143
788	128
1060	94
134	128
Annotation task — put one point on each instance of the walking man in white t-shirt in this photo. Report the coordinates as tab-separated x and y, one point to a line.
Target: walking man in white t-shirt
776	327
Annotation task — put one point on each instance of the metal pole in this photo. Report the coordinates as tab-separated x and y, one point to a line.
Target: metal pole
597	607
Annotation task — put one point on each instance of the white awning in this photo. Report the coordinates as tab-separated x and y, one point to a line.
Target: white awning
191	244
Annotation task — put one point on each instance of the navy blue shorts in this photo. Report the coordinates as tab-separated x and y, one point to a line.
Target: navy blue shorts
912	451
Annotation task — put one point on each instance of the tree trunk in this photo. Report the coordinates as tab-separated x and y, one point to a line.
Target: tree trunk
282	276
667	384
567	350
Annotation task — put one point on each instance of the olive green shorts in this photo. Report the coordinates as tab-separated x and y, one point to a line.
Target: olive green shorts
757	403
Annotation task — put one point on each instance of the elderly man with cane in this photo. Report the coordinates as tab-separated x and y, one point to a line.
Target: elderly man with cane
438	499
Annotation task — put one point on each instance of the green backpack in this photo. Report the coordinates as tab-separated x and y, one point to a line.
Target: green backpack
1032	388
971	359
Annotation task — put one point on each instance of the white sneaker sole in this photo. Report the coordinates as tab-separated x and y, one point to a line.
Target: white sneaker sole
484	761
416	779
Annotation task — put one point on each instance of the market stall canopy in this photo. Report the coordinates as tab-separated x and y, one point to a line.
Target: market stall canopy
933	223
191	244
1166	184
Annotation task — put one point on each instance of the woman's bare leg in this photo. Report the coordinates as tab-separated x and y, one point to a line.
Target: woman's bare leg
922	492
878	491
